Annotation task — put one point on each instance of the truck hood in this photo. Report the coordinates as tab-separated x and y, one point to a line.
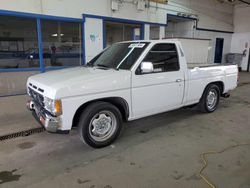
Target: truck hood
79	81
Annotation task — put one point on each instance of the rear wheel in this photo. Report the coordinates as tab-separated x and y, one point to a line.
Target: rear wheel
210	99
100	124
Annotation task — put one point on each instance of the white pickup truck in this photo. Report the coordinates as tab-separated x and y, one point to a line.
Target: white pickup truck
127	81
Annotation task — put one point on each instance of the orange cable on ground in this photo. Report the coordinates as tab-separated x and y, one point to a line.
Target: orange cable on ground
205	163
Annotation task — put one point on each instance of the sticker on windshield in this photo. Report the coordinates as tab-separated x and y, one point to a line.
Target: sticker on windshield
137	45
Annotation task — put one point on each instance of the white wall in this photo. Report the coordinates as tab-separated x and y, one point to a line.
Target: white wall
146	31
186	29
211	14
162	32
241	37
239	42
93	37
213	35
241	19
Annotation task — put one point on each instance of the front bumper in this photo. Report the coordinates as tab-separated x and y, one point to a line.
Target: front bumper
50	123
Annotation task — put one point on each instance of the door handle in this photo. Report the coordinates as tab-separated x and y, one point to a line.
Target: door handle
178	80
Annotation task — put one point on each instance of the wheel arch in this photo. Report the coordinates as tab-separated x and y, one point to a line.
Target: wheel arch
119	102
202	102
220	84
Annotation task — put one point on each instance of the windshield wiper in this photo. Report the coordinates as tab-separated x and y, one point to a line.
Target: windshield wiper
88	65
105	66
101	65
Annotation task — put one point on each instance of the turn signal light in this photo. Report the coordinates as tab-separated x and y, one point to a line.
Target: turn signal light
58	107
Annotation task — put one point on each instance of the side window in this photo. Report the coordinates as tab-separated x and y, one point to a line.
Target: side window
164	58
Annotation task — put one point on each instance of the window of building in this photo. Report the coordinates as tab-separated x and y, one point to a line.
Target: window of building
154	32
18	43
164	58
117	32
61	43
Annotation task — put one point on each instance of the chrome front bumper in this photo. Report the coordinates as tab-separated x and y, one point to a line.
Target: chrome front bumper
50	123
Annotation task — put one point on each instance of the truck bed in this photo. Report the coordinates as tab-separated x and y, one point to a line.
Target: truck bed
202	65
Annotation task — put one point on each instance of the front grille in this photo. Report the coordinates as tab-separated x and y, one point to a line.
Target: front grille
38	98
36	88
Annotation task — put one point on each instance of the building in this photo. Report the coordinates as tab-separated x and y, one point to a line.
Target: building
39	36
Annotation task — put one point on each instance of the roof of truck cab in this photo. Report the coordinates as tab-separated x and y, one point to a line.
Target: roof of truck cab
186	38
153	41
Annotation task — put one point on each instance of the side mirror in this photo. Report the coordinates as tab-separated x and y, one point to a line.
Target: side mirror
147	67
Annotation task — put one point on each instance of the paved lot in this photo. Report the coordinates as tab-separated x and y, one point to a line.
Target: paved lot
159	151
14	116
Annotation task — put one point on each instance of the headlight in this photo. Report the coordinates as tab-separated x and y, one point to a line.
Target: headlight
53	106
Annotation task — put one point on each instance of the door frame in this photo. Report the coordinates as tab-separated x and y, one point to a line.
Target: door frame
218	40
171	75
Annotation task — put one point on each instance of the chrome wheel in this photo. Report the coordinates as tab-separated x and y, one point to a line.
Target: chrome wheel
102	126
212	98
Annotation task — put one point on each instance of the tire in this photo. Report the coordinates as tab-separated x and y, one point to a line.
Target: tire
210	99
100	124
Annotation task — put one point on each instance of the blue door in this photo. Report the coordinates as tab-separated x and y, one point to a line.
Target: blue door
218	50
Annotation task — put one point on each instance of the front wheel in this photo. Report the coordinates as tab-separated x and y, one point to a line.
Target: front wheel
210	99
100	124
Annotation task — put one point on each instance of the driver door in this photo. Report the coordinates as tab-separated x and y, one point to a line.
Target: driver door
163	88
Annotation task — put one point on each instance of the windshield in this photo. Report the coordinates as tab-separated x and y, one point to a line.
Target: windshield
119	55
